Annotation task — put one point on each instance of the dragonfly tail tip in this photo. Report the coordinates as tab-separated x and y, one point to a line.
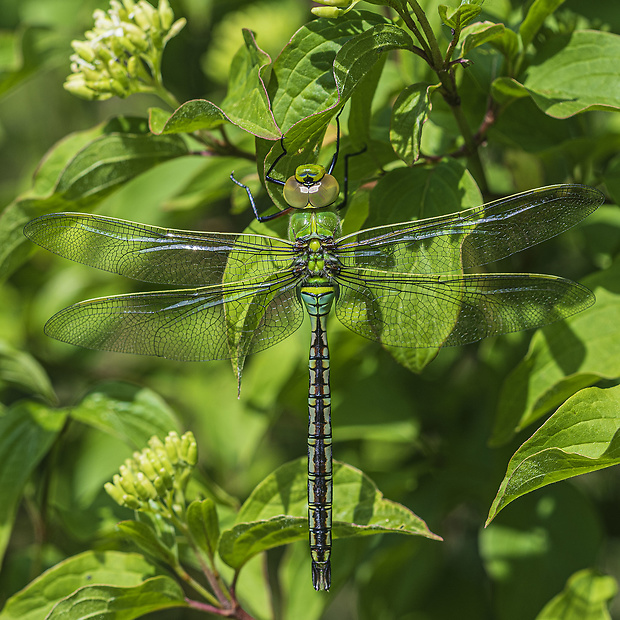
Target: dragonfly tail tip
321	575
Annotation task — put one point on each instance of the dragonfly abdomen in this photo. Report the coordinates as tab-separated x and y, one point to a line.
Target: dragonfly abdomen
318	300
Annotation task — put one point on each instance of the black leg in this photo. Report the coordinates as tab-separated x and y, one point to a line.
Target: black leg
268	176
260	218
345	184
335	157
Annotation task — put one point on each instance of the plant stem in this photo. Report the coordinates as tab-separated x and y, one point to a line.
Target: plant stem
428	32
190	581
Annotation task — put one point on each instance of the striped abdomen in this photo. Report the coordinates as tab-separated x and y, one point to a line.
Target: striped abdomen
318	301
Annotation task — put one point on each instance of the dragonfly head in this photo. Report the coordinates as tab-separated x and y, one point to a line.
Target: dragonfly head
311	188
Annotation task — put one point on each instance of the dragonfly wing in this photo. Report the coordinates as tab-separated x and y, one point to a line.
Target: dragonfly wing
405	310
154	254
473	237
209	323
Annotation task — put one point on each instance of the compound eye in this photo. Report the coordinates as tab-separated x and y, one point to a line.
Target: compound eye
296	194
325	193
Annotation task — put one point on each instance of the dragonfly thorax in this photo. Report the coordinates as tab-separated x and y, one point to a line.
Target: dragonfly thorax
311	188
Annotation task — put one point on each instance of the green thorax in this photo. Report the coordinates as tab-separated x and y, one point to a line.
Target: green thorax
313	232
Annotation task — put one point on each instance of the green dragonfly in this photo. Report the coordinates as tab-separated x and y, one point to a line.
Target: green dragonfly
403	285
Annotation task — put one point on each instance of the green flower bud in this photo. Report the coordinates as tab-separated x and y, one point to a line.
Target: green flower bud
136	35
137	70
146	466
79	89
340	3
118	89
116	8
145	487
114	492
189	449
155	442
118	71
104	54
130	5
125	481
132	502
160	486
176	28
327	11
166	15
141	16
167	477
84	50
172	445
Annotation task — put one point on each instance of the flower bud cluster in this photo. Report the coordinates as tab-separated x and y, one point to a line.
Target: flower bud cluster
122	53
156	473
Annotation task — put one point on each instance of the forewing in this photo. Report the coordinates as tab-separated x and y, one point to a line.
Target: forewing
154	254
403	310
187	325
474	237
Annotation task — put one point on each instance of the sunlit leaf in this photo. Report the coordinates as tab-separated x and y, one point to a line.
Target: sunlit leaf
276	512
564	358
538	11
586	597
409	113
113	568
572	74
583	435
126	602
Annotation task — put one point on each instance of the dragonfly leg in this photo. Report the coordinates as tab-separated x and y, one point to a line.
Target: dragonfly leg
260	218
345	184
268	176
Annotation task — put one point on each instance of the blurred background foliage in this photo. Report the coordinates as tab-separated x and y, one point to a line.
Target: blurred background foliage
422	438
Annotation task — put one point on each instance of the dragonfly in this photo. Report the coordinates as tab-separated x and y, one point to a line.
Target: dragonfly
402	285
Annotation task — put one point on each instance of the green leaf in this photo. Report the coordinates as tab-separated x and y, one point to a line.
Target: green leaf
537	13
131	413
458	18
27	432
303	72
203	525
354	55
276	512
113	159
508	43
195	115
409	113
572	74
360	110
36	600
505	89
586	597
406	194
480	33
120	603
247	104
583	435
78	172
146	539
564	358
21	370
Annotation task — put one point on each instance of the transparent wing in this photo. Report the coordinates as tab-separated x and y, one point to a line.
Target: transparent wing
153	254
406	310
472	237
209	323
